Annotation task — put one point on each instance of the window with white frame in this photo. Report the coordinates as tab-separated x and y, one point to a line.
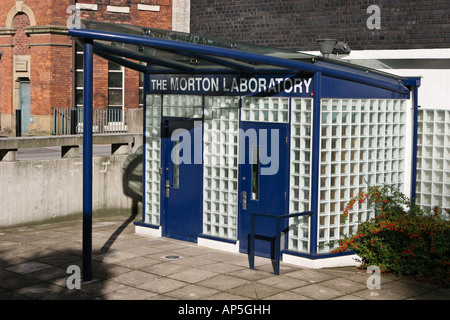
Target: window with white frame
141	90
79	77
116	90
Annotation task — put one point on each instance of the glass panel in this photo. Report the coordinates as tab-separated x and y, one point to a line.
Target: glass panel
176	164
115	79
141	97
255	173
178	58
115	96
79	60
79	79
114	66
79	97
189	38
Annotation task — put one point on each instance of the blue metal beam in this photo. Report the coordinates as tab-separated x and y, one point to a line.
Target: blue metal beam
315	164
87	160
414	144
180	47
123	62
121	52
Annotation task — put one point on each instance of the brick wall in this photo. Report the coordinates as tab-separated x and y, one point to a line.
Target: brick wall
20	39
405	24
156	19
51	53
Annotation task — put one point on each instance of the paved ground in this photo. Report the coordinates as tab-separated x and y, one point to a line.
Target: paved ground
127	266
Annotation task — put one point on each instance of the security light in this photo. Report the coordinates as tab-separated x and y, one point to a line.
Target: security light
326	46
332	46
341	48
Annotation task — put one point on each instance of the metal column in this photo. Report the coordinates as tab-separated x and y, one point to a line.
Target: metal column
87	160
315	170
414	155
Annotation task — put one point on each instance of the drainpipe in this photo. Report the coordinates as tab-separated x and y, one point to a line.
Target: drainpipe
414	84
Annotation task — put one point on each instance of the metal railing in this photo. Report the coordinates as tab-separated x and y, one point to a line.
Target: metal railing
68	121
251	249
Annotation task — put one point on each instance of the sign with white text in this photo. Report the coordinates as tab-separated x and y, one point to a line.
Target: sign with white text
231	85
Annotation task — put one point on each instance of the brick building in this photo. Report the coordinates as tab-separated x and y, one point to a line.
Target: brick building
41	67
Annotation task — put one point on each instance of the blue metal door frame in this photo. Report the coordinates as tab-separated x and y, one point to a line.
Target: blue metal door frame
315	164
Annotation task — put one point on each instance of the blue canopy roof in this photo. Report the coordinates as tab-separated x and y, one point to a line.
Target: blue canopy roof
156	51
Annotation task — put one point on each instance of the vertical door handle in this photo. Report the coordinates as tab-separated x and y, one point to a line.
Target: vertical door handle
244	200
167	188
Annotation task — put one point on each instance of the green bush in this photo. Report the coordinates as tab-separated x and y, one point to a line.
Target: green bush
401	239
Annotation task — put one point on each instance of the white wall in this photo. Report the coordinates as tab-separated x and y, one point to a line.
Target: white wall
434	92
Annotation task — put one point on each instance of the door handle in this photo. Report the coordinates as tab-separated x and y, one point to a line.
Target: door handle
167	188
244	200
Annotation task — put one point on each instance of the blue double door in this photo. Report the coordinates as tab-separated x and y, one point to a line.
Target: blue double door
263	181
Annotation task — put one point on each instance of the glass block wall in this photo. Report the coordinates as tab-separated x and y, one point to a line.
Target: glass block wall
300	177
433	159
362	142
182	106
152	159
220	170
173	106
265	109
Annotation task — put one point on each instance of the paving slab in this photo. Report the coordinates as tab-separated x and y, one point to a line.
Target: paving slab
128	266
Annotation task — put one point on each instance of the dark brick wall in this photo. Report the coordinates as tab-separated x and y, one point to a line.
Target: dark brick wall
294	24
